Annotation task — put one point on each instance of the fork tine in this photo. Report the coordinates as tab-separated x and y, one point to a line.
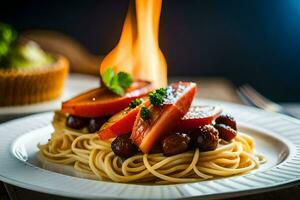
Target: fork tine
259	99
270	105
263	98
252	97
244	98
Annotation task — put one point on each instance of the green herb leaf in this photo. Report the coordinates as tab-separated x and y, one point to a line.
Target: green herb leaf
162	91
116	83
145	113
157	97
108	76
117	90
125	80
135	103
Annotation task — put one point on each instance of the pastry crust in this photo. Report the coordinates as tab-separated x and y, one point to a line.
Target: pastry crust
27	86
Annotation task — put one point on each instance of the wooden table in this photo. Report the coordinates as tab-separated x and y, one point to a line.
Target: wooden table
211	88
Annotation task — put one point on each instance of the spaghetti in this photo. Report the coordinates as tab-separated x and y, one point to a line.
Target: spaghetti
87	154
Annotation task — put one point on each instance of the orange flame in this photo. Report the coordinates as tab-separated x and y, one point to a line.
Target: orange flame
137	51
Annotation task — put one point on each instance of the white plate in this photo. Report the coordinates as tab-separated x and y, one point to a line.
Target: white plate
74	85
276	136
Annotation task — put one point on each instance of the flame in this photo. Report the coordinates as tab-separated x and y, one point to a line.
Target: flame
137	51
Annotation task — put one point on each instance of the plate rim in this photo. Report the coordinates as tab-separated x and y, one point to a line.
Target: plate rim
269	185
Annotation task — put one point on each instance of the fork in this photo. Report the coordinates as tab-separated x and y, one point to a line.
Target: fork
253	98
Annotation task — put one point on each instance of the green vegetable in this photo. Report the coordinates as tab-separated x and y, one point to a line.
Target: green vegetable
29	55
116	83
145	113
19	56
124	79
135	103
108	76
162	91
157	97
7	37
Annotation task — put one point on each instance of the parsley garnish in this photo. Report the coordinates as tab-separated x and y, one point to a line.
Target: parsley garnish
162	91
116	83
125	79
135	103
157	97
145	113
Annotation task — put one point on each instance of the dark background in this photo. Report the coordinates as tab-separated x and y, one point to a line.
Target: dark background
246	41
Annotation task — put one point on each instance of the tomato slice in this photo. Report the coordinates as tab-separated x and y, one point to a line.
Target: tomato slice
121	123
198	116
146	133
101	102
